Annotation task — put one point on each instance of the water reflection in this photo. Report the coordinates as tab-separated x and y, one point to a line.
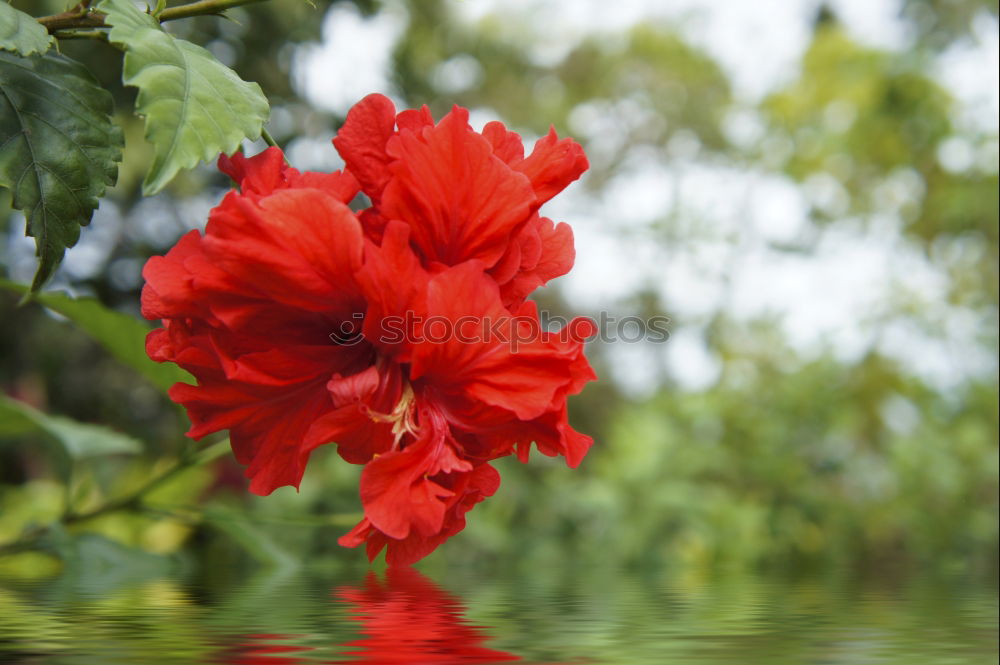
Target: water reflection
147	615
407	618
399	617
264	649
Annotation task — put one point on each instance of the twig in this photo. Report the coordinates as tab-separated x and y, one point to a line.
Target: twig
82	16
133	500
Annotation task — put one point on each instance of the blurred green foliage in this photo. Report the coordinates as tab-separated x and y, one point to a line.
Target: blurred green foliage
787	459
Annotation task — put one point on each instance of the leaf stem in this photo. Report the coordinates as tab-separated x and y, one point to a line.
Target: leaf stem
268	139
82	16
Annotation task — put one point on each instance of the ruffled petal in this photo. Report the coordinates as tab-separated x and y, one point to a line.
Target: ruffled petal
358	424
300	248
266	427
507	145
398	491
362	139
259	175
488	355
460	201
267	171
552	165
395	285
467	489
551	433
547	252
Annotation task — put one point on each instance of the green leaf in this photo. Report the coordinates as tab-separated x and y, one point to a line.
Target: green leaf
78	440
14	423
59	149
195	107
122	335
21	33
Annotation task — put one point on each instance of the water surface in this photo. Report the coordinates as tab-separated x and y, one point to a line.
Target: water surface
116	615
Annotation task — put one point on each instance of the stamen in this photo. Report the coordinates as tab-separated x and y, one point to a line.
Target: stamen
403	416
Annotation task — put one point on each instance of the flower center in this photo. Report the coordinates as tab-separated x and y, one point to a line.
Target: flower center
402	417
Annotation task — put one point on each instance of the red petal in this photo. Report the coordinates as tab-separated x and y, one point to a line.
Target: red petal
467	490
359	436
362	140
460	201
297	247
260	174
397	492
414	120
507	145
394	284
169	290
266	172
550	432
490	356
554	253
266	428
552	165
510	263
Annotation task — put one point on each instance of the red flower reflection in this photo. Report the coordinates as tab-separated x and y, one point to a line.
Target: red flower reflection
409	619
401	333
266	649
404	618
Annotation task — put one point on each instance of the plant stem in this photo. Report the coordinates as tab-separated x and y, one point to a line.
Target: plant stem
81	16
202	7
268	139
27	539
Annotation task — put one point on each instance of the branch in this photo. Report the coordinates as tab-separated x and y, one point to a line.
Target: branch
30	537
203	7
78	17
82	16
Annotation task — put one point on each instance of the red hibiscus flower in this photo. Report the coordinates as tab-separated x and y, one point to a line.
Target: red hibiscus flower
400	334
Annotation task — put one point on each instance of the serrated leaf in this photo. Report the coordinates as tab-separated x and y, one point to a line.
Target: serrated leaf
122	335
21	33
195	107
58	149
78	440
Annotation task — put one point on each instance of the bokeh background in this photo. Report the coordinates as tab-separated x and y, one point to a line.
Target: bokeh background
808	190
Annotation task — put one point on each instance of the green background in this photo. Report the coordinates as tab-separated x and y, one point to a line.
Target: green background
790	459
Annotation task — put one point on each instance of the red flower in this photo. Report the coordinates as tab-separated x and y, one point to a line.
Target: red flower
401	334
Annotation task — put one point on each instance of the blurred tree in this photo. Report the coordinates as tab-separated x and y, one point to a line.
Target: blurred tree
938	24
